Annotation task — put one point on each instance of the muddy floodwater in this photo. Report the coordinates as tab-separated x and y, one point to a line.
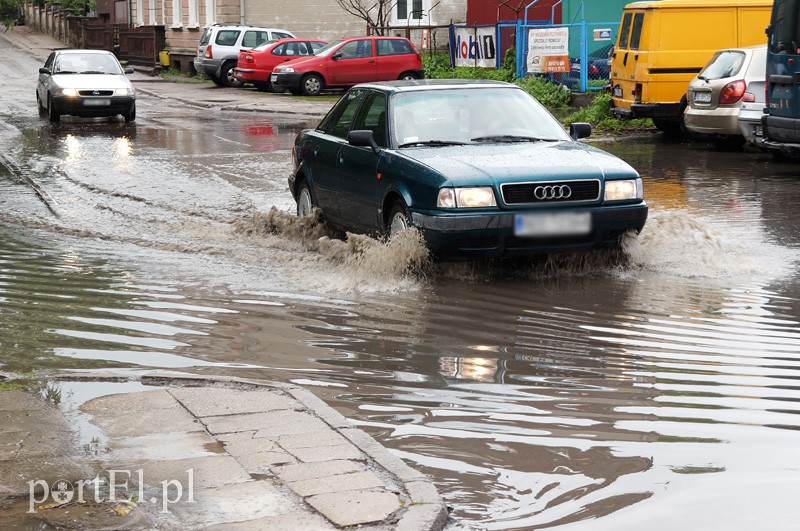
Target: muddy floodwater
657	387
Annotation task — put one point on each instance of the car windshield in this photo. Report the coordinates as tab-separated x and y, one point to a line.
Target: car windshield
89	63
722	65
327	49
471	115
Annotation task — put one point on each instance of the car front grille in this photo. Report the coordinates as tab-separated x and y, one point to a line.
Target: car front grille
540	192
96	92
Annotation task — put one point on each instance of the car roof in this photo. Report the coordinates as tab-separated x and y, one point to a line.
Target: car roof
436	84
82	51
247	26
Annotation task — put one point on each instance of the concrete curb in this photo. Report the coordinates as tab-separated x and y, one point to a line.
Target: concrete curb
426	510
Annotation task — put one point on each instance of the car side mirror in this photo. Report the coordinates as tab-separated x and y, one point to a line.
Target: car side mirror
579	130
364	138
129	70
44	70
768	31
336	56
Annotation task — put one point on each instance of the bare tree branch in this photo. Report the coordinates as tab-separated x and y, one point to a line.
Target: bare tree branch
376	13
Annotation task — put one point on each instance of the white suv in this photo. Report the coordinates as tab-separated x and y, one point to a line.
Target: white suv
219	48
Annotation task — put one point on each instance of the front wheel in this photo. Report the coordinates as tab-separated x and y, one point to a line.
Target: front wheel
312	85
399	219
131	114
52	113
305	204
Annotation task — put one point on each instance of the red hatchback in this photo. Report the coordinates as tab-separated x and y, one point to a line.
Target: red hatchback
256	65
350	62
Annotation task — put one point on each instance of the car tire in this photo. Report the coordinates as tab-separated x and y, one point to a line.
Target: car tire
52	113
312	85
42	110
407	76
217	81
227	78
305	201
399	219
130	115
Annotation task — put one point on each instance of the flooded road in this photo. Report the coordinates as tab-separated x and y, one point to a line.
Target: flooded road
660	387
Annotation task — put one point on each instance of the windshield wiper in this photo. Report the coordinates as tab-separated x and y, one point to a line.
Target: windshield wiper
65	72
93	72
512	138
433	143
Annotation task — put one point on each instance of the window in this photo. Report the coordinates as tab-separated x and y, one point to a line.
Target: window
636	33
205	37
373	117
356	49
337	123
227	37
280	35
293	48
394	47
785	34
194	18
625	32
418	10
177	16
253	38
316	46
211	11
723	64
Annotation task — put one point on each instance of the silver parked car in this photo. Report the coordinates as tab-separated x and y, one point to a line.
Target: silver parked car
716	95
85	83
753	104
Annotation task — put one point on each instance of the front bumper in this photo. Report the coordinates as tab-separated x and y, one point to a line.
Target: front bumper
493	234
286	80
77	106
719	121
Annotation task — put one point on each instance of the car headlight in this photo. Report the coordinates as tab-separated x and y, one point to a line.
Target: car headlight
472	197
121	92
284	69
623	190
69	92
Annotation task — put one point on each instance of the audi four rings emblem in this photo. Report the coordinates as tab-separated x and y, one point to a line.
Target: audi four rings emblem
552	192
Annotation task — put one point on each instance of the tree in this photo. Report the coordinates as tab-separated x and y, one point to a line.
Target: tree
376	13
10	12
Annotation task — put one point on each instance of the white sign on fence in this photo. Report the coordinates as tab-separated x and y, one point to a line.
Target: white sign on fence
475	47
548	50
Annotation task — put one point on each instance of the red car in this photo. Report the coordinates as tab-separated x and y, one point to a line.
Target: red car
256	65
350	62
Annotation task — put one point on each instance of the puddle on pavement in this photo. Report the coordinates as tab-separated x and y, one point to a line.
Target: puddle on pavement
654	388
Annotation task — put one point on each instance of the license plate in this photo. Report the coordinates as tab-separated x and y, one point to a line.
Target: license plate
555	224
273	78
702	97
97	102
617	92
759	131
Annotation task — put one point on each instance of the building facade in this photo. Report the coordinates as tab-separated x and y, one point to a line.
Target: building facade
184	20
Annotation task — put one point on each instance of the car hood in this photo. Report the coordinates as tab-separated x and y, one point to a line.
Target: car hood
503	163
91	81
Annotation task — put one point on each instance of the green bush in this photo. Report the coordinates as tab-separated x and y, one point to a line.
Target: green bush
598	113
437	66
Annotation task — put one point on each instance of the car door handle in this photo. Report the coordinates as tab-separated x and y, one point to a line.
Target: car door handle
372	60
341	160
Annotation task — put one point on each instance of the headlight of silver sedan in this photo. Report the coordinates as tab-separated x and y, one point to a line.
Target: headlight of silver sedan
471	197
122	92
623	190
71	92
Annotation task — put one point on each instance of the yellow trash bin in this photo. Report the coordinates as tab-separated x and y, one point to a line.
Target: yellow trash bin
163	57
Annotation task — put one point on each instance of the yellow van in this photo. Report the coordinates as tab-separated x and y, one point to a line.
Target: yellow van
662	45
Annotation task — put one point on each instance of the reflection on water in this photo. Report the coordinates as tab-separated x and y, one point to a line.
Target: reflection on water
657	388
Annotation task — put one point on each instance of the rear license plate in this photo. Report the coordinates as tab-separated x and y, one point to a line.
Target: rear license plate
553	224
702	97
617	92
759	131
97	103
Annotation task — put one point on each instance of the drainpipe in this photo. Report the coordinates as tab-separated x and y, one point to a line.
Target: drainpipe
241	11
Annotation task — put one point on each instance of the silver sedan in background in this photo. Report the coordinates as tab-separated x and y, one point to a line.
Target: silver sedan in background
85	83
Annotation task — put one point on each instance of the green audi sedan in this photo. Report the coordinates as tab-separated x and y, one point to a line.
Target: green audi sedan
480	168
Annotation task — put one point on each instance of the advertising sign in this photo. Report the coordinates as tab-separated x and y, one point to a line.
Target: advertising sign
603	34
475	47
548	50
